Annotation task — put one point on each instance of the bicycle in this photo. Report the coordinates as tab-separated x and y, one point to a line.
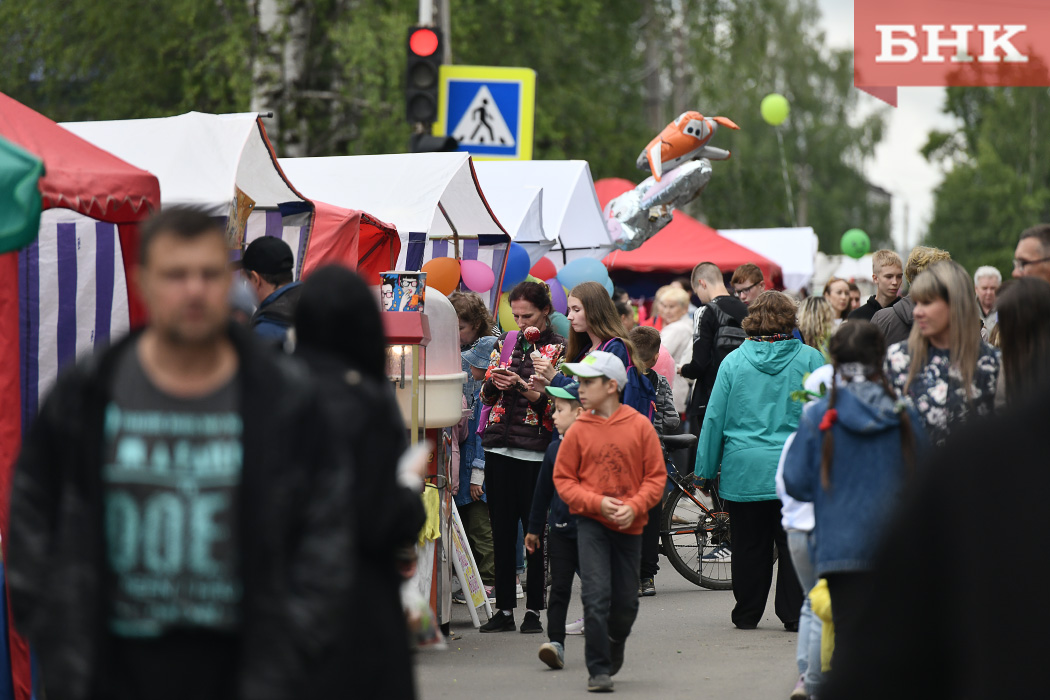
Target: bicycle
694	527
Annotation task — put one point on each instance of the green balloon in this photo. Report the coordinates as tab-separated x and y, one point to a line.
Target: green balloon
561	324
775	109
855	243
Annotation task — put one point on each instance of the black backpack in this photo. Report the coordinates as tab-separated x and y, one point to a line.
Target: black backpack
730	334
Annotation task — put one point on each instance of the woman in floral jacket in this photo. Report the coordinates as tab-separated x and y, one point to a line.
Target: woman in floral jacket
519	428
944	369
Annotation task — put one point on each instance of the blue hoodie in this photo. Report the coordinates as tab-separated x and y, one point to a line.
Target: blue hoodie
546	503
867	473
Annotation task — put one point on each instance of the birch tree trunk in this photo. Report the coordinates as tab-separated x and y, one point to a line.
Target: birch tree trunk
278	67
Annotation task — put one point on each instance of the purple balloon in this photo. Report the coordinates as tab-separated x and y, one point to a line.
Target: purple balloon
558	298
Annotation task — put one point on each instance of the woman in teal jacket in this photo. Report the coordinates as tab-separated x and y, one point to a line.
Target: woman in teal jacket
749	418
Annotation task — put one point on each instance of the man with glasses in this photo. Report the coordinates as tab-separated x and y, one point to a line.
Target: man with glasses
748	282
1032	257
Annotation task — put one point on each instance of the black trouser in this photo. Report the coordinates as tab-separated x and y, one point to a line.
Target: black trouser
509	484
651	542
609	571
755	529
564	557
850	592
695	423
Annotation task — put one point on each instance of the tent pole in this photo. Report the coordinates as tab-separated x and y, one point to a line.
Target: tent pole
455	233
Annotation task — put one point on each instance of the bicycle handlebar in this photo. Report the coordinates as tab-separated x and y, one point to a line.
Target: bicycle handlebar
679	442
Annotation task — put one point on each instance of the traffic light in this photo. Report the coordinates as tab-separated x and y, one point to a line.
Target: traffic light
421	90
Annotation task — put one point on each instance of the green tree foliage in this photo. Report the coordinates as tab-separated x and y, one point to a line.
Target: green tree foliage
738	53
588	100
997	182
604	69
84	59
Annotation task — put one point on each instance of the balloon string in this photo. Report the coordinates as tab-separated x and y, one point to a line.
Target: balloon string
787	180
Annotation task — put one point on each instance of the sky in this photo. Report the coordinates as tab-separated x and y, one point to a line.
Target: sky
898	166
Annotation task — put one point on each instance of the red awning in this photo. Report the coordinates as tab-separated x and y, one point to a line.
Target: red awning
79	175
680	245
90	181
609	188
352	238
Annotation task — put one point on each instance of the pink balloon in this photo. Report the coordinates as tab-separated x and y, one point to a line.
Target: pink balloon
559	301
665	365
477	276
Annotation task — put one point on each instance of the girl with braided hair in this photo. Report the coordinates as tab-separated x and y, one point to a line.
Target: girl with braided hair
854	450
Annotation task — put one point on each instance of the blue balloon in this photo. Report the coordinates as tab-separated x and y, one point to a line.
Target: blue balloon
609	286
583	270
517	268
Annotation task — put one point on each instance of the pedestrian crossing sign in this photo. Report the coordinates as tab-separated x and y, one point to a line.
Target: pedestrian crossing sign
488	110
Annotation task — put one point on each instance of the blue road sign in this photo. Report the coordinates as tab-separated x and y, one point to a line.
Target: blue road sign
489	111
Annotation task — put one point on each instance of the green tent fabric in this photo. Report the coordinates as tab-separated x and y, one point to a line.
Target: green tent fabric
20	203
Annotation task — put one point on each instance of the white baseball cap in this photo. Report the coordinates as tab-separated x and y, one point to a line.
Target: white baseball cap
599	364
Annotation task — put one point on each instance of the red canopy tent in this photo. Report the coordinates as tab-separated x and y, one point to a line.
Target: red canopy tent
680	245
92	183
354	238
685	242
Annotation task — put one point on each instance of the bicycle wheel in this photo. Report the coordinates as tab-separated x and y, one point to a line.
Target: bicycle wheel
696	542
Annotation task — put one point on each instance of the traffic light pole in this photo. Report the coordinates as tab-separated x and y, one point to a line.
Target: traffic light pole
426	13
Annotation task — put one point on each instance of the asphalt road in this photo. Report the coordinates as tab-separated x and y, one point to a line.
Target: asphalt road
683	646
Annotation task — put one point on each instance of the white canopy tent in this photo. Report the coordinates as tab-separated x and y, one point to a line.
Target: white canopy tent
572	217
794	249
202	160
844	267
433	199
520	210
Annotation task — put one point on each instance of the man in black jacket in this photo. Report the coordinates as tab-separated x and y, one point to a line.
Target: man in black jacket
887	271
268	266
178	511
703	367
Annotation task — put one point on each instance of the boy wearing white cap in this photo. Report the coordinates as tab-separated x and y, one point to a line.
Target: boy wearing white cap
610	470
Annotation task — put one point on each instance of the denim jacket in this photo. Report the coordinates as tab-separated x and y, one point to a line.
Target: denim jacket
867	473
471	454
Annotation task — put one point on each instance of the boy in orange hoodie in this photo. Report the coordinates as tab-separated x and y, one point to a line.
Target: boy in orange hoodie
610	470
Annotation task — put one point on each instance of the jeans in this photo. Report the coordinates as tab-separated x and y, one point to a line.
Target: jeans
609	564
809	625
509	484
476	522
564	558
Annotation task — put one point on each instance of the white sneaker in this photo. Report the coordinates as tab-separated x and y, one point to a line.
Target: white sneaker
719	554
519	592
574	627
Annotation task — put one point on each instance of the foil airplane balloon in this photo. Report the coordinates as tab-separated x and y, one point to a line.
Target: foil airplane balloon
683	140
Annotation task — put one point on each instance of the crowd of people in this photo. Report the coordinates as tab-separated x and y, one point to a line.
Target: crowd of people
217	494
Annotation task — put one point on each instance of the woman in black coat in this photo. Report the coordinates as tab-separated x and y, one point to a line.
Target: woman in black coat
339	334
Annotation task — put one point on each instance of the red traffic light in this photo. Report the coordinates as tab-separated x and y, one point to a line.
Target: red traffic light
423	42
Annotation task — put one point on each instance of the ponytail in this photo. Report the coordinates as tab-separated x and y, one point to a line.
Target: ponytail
828	447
